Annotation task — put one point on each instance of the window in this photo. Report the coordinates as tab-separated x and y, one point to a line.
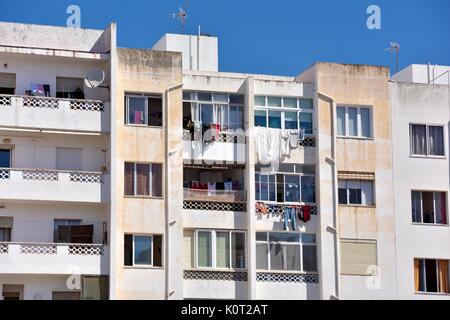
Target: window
143	250
95	288
70	88
143	110
284	113
431	275
7	83
354	121
214	249
281	251
143	179
358	257
211	108
61	229
356	192
426	140
296	185
429	207
5	158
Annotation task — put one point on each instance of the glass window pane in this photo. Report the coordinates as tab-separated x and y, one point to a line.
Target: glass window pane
292	188
189	249
418	139
142	250
261	256
204	249
260	118
5	158
257	187
290	102
292	257
341	121
436	140
142	179
221	97
276	256
136	110
290	120
261	236
157	180
155	113
274	101
260	101
284	237
264	180
207	114
431	275
237	98
204	96
309	258
365	122
367	193
352	122
441	207
309	238
272	187
129	179
222	250
416	207
275	119
308	191
238	250
128	250
306	122
306	103
236	118
428	207
188	95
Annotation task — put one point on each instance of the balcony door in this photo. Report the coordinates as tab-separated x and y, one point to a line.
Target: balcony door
7	83
69	159
5	158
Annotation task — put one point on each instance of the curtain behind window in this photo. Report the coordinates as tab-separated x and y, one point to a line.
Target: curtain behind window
416	206
443	276
222	249
157	180
129	179
418	139
142	179
436	140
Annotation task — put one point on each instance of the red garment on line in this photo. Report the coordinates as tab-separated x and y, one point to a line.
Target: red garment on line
306	213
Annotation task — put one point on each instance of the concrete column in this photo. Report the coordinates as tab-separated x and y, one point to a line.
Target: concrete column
250	188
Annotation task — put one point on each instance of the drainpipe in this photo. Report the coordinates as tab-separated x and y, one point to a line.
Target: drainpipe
167	202
332	161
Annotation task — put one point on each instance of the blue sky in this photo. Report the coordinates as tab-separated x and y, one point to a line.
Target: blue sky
280	37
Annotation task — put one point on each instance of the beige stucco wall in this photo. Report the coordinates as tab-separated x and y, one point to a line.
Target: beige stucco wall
149	72
368	86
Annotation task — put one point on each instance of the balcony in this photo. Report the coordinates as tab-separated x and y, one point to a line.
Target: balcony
53	185
47	113
53	258
214	196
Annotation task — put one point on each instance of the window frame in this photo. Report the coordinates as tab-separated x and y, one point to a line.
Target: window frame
300	175
150	196
434	208
348	204
145	266
300	243
146	111
283	109
213	233
427	137
358	122
424	273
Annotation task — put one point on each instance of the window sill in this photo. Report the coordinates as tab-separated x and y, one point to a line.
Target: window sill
429	224
143	197
359	275
358	206
143	268
433	294
355	138
143	126
418	156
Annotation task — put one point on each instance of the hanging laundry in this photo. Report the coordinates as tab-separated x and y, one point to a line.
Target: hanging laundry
261	207
289	214
293	138
306	213
211	188
301	134
284	148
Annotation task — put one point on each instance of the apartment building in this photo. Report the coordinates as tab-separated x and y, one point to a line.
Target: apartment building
420	96
173	180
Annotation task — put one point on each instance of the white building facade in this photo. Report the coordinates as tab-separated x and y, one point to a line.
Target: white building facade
172	180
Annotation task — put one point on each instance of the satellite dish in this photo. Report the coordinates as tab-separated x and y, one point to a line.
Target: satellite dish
94	78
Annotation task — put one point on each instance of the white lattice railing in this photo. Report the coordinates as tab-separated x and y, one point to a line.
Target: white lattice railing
51	175
40	175
4	174
86	249
3	248
51	103
287	277
86	177
215	275
38	248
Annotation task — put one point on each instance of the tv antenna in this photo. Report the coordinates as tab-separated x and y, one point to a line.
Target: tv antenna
181	16
395	47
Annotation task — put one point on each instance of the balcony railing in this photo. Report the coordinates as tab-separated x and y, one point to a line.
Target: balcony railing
214	195
56	185
53	258
53	113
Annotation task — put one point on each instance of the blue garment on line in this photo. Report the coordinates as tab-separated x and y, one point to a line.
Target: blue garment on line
290	214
